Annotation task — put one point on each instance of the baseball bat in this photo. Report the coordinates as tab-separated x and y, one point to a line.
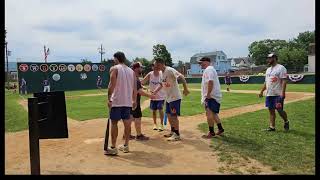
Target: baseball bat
106	138
165	119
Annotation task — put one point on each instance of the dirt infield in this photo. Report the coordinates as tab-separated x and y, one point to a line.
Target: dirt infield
82	152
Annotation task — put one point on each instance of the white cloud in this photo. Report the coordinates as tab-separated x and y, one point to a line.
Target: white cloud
76	28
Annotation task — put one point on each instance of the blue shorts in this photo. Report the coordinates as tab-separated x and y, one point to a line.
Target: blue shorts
274	102
212	105
173	108
118	113
156	105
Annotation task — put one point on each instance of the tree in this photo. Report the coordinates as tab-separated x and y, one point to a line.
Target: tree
293	59
160	51
259	50
304	39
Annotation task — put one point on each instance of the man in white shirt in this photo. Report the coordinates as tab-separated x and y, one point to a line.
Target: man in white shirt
275	84
211	96
170	86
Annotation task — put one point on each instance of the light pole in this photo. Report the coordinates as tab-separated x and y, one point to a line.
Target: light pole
101	52
7	74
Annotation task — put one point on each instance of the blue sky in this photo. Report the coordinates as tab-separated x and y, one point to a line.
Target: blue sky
74	29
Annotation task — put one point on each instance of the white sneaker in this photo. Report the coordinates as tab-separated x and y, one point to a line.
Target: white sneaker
111	151
124	148
154	127
160	128
174	137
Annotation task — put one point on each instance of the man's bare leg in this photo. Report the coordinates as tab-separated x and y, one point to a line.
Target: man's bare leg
114	133
161	116
272	118
127	131
137	124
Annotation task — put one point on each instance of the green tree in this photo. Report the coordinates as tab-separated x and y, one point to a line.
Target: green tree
160	51
293	58
304	39
259	50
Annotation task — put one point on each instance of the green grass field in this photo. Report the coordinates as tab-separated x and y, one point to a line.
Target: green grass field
257	87
191	105
290	152
85	108
83	92
16	118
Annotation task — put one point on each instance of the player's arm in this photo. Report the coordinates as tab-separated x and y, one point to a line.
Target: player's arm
135	92
146	79
283	76
142	93
284	87
184	82
157	89
112	84
210	87
264	87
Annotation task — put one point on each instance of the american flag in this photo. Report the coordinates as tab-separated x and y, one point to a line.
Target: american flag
46	53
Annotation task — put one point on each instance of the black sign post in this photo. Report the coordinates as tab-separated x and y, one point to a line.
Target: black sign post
34	136
47	120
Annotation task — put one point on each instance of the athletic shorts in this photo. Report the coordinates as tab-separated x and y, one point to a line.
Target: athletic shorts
228	83
212	105
137	112
156	105
274	102
173	108
118	113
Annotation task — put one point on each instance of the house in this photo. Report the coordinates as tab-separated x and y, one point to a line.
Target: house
241	62
311	58
218	60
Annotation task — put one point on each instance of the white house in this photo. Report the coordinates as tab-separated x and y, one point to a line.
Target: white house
241	62
218	60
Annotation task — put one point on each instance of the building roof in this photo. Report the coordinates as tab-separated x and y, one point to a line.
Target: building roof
246	60
208	54
194	58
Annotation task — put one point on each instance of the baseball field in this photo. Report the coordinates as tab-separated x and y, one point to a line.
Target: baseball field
244	149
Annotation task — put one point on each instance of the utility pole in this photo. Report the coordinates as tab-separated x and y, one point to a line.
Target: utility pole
101	51
6	46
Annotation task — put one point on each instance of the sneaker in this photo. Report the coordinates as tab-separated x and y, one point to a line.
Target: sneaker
124	148
160	128
168	135
208	136
142	138
130	138
111	151
286	126
270	129
220	132
174	137
155	127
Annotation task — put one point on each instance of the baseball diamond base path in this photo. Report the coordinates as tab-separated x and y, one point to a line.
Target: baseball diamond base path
82	152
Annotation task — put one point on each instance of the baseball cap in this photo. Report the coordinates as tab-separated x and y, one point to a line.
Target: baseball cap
136	65
204	59
271	55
